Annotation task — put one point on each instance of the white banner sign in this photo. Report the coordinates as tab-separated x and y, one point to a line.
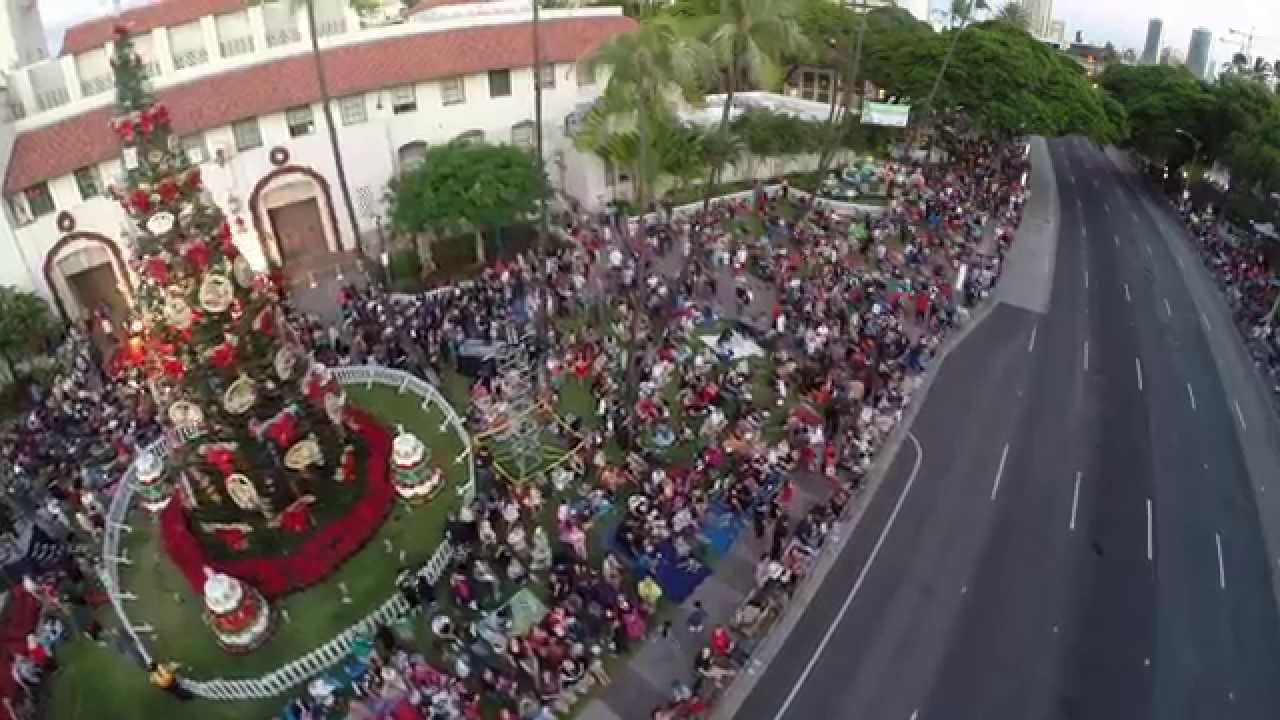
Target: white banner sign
874	113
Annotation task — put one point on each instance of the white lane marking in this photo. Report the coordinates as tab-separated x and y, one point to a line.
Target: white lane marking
1105	207
1116	238
1133	214
915	714
1191	395
1086	279
1075	503
1222	570
1168	310
1078	205
1032	345
1137	365
1240	415
857	584
1151	547
1148	246
1084	231
1086	356
1127	296
995	485
1205	321
1178	259
1073	178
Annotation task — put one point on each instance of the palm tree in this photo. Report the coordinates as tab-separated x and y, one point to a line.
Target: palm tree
648	69
1015	14
749	39
961	14
308	6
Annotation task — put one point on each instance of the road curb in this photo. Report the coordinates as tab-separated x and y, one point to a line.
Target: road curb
736	694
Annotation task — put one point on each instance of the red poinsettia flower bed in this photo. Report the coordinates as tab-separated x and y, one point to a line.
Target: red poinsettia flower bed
316	558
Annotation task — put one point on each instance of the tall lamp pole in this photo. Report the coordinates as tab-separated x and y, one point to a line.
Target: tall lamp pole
537	121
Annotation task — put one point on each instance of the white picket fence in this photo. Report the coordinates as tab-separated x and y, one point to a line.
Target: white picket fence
332	652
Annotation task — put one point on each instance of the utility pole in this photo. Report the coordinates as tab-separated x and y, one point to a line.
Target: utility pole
543	228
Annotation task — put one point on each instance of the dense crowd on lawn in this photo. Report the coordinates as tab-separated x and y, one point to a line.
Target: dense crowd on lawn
714	356
1245	267
687	429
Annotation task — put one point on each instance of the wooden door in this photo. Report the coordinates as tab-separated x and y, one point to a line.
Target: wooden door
299	230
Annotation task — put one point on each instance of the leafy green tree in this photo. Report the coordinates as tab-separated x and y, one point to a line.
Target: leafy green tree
468	187
1015	14
649	69
1160	100
25	323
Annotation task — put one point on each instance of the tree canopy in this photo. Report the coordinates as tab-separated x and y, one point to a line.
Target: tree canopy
25	323
466	187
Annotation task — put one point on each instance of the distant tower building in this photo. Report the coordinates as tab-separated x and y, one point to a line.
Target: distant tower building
1058	32
22	39
1155	35
1198	52
1171	56
1039	17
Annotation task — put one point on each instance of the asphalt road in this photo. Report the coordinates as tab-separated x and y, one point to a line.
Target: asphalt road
1071	532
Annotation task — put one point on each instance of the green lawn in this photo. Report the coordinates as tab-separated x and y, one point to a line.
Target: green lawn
119	690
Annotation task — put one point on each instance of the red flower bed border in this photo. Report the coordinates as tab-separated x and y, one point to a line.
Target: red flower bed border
320	555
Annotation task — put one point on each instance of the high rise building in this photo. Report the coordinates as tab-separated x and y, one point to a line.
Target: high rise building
1198	52
1155	34
1171	56
1039	16
1057	32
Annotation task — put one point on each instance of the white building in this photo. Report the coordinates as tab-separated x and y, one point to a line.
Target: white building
241	86
1039	17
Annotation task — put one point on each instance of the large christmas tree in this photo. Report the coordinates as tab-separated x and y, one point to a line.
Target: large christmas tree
269	457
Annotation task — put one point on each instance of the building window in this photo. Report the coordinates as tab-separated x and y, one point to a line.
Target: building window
547	75
404	100
499	83
452	91
523	134
88	182
353	110
470	137
412	156
586	73
194	147
38	203
300	120
248	134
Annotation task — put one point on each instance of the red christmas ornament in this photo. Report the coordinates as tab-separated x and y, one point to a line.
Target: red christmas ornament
140	201
158	269
160	114
221	457
192	179
173	368
223	356
283	431
145	124
197	253
168	190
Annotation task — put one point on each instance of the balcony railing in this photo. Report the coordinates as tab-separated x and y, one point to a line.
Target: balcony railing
325	28
51	99
15	110
283	36
190	58
236	46
96	85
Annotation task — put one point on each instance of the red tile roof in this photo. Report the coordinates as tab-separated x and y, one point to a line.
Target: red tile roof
159	13
216	101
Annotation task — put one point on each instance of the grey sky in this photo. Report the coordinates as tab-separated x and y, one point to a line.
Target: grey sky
1123	23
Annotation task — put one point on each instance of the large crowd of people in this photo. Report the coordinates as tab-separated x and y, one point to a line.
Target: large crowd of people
1243	265
691	366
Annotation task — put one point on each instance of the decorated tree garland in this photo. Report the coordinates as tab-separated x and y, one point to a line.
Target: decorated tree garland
265	431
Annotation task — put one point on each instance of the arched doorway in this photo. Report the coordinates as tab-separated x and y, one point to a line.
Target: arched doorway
294	216
411	156
86	272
